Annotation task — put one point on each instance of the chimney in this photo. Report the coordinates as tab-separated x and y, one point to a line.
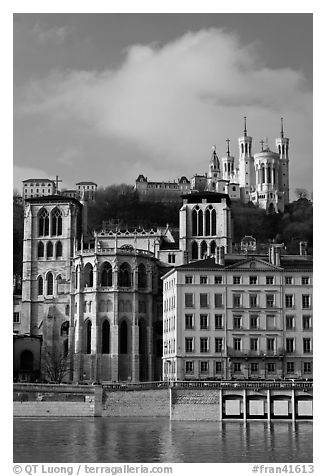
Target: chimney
303	248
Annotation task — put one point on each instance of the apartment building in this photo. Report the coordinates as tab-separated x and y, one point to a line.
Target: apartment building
237	317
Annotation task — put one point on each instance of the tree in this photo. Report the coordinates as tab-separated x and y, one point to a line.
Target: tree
55	365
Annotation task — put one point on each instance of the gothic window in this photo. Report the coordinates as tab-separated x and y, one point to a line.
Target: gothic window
194	222
200	223
64	329
39	285
242	148
194	250
40	250
56	217
88	275
123	338
213	247
88	336
43	223
106	275
58	250
142	336
67	309
49	284
203	249
125	275
106	337
279	149
213	221
49	250
208	222
142	277
268	174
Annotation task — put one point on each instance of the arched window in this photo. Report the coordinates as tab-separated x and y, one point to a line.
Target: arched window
106	337
123	334
208	222
40	286
213	221
213	247
58	250
88	336
279	149
142	337
40	250
263	174
194	250
43	223
142	278
49	284
200	223
56	222
88	275
64	332
49	250
203	249
125	275
242	149
26	360
268	170
194	223
106	275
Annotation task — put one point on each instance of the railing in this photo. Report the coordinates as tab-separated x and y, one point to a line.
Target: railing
244	384
218	384
128	386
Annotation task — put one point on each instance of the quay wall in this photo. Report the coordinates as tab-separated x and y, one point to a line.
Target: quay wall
213	401
136	403
56	400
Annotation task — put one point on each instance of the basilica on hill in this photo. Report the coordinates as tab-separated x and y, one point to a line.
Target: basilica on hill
261	178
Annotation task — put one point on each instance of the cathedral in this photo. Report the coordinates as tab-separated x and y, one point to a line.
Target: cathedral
97	300
261	178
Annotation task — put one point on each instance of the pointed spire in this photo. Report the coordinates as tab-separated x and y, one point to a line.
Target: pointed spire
245	126
282	130
228	151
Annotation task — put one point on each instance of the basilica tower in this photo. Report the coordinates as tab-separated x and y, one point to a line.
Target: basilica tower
282	145
246	165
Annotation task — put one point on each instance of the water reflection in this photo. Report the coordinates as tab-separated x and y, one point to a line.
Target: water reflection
149	440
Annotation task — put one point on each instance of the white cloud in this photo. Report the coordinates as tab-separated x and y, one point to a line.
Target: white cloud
174	101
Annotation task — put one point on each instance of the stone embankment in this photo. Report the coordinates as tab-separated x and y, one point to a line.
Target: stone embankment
176	400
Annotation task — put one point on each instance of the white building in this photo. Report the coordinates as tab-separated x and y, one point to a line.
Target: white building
238	317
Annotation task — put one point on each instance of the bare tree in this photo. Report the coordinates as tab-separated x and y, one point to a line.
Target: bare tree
56	365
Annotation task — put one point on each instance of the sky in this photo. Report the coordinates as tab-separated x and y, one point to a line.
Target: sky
106	97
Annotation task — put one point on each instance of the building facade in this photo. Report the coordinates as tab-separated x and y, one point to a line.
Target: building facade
165	190
233	318
38	188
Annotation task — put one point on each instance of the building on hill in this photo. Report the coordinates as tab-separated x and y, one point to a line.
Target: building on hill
38	188
161	191
87	190
261	178
237	317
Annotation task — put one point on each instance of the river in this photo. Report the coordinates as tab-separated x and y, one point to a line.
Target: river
149	440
